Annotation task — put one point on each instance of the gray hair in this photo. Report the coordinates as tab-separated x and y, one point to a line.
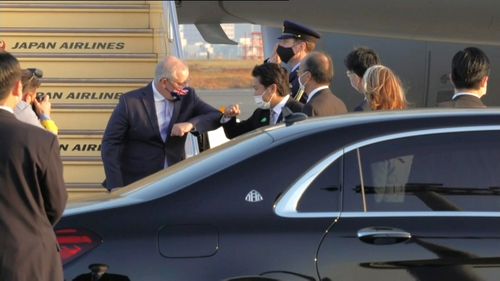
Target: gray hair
168	68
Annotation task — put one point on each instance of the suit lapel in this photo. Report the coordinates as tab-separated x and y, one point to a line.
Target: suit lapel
150	108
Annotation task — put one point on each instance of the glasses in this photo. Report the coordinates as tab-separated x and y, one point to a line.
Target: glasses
35	72
176	84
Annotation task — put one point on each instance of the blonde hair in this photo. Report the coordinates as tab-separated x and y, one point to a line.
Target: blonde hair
383	89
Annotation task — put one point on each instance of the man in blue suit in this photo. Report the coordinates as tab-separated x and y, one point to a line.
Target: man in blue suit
148	128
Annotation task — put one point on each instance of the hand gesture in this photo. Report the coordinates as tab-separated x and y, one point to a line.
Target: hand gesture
44	107
232	111
180	129
274	58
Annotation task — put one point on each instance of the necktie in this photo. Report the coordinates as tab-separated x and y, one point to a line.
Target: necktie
273	118
165	123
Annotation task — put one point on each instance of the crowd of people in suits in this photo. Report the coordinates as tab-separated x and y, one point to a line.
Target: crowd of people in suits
311	73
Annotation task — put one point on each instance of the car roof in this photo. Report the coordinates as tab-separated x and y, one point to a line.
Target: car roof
440	117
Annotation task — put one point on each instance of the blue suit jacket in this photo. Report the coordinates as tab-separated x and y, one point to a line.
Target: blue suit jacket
132	147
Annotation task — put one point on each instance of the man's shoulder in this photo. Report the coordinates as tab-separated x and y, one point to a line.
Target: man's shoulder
28	131
327	98
446	104
139	92
463	101
294	105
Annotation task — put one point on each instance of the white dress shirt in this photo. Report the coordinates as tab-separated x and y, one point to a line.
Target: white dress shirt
277	109
464	94
313	92
295	67
164	110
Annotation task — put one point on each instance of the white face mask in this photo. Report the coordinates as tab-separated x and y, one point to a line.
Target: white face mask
302	86
259	101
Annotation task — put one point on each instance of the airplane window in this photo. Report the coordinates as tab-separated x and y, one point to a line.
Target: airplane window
442	172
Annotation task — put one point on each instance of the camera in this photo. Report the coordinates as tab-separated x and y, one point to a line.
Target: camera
40	96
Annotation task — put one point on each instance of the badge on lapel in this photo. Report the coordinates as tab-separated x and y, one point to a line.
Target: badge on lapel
263	120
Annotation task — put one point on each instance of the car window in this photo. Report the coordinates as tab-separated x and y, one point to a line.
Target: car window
323	194
438	172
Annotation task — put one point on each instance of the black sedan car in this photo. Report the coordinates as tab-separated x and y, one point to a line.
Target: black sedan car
375	196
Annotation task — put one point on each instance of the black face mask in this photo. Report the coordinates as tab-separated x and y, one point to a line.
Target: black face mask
285	54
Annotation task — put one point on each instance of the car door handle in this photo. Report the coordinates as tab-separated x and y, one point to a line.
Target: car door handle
381	235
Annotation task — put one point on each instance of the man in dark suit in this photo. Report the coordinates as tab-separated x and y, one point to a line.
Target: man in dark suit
357	62
148	128
470	70
315	75
32	191
295	43
270	82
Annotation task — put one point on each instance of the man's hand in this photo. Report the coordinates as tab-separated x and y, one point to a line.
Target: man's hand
180	129
43	107
232	111
274	58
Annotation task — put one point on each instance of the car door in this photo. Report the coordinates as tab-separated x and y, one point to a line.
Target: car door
422	205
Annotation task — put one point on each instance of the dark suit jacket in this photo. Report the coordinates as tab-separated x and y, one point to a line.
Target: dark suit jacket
464	101
132	147
324	103
32	199
259	118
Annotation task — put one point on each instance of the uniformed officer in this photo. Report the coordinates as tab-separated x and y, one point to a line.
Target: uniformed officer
295	43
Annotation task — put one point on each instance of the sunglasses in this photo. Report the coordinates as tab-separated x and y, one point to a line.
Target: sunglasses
35	72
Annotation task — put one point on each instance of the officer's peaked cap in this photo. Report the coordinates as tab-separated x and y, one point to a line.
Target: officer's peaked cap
298	31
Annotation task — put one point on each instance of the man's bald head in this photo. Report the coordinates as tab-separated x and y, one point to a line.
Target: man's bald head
171	68
320	66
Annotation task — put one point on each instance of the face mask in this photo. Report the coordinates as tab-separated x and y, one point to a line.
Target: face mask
302	86
259	101
285	54
176	94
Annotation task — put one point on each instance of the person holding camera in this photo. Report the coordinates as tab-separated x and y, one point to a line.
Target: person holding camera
34	109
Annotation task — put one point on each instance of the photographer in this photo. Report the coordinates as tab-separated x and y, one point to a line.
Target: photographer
33	109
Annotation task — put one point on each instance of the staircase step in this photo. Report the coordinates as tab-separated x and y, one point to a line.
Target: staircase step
66	40
80	143
80	118
81	190
91	66
79	2
50	15
91	92
83	170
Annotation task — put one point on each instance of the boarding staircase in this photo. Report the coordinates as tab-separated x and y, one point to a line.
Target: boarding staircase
90	52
